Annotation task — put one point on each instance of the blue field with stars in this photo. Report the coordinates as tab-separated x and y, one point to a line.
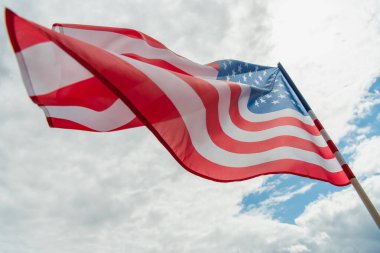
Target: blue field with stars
269	89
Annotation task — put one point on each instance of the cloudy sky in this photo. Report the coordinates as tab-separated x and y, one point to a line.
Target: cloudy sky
70	191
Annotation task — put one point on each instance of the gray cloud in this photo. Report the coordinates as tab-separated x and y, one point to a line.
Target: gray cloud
69	191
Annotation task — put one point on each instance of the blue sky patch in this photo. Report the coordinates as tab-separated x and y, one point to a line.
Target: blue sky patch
286	196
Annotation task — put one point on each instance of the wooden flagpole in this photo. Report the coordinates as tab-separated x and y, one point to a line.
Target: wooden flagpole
355	183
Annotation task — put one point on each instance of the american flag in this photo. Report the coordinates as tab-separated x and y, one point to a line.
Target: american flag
225	121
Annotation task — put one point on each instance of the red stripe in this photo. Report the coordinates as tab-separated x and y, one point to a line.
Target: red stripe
89	93
24	36
124	31
318	124
158	62
348	171
140	94
238	120
214	65
332	146
67	124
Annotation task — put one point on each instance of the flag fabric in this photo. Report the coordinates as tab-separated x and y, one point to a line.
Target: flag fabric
225	121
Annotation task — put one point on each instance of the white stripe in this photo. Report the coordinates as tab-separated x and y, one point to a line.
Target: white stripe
256	117
25	74
252	136
122	44
113	117
312	115
340	158
325	135
193	113
45	67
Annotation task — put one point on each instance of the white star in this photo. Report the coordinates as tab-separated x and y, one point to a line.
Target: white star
246	64
275	90
239	68
257	82
268	96
275	102
260	78
228	78
257	103
287	93
250	73
224	65
262	100
282	96
244	78
233	73
281	85
229	62
256	68
265	73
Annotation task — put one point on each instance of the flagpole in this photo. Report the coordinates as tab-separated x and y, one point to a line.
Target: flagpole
355	183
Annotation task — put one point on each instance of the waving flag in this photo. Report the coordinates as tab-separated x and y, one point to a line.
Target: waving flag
224	121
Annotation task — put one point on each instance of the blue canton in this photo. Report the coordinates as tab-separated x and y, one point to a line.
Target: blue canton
269	89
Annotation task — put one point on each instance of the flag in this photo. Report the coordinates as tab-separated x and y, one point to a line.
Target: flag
225	121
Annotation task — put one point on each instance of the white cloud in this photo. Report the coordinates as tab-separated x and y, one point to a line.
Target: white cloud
298	248
366	157
68	191
343	221
328	47
280	197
